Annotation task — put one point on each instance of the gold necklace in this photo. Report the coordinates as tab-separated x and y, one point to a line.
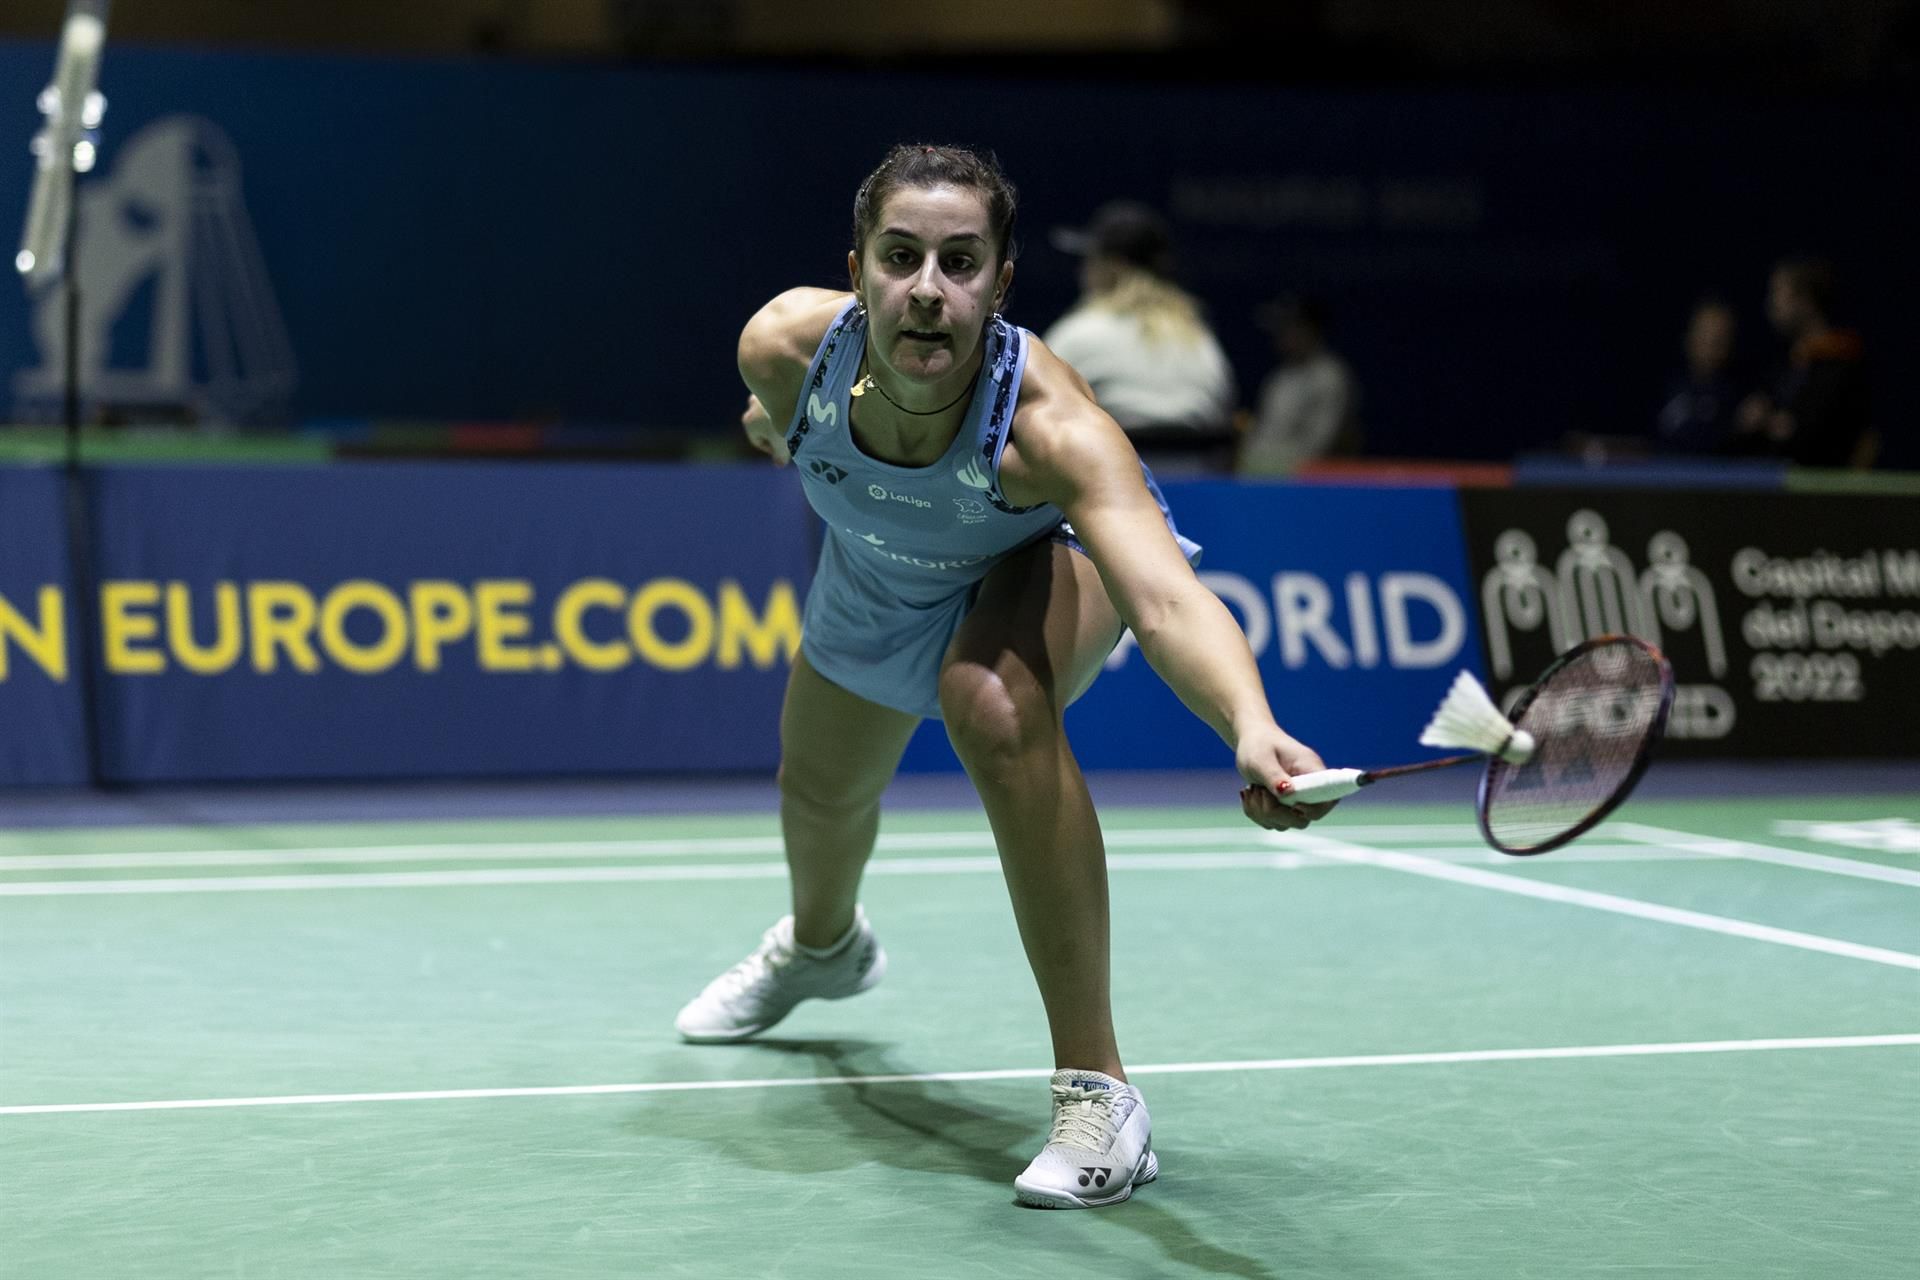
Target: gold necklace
866	384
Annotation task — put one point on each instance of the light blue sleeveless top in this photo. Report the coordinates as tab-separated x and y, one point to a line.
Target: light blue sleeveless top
906	547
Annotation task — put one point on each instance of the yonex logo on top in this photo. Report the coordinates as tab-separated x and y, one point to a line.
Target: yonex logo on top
827	471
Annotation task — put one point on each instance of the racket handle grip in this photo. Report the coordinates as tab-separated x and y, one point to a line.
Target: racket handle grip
1328	784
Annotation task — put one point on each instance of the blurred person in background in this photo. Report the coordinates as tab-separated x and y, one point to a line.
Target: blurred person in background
1815	413
1306	407
1698	414
1142	342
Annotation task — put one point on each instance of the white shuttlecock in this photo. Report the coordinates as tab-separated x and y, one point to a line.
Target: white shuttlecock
1467	718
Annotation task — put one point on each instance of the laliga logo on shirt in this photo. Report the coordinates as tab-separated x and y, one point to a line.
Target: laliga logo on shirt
880	493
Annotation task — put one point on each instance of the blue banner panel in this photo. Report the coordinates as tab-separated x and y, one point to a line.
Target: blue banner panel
445	620
41	739
1355	602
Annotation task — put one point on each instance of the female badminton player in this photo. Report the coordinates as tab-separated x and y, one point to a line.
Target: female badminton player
989	532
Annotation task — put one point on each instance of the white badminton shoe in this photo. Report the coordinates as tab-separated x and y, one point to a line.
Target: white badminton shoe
764	988
1101	1147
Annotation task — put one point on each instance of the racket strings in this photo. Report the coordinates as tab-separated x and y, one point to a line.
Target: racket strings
1593	718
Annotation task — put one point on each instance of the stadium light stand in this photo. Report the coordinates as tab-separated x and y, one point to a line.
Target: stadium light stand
67	145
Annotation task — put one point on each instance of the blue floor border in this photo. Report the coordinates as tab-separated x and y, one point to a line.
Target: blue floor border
520	798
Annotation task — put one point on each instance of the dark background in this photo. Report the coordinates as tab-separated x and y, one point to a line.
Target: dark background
563	212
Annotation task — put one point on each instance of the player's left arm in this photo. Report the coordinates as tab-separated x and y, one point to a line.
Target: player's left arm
1064	450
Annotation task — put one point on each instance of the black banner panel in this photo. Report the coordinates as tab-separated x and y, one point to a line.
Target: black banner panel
1792	620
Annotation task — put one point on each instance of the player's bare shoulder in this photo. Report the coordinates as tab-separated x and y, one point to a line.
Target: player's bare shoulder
779	341
1058	428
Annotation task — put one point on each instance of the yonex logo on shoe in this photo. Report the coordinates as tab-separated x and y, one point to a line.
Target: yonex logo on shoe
1091	1084
1094	1176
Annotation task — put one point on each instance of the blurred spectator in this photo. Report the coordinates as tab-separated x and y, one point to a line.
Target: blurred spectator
1698	414
1816	410
1141	342
1306	408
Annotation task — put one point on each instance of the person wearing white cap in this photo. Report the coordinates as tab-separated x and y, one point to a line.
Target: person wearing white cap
1142	342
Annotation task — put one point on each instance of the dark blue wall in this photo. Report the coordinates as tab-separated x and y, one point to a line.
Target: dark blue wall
485	240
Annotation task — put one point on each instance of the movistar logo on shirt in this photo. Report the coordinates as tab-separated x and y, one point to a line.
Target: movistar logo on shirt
824	414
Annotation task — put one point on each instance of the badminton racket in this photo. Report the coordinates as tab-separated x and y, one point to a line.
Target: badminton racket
1576	744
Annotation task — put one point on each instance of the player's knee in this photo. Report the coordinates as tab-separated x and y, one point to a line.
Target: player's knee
828	780
821	785
990	713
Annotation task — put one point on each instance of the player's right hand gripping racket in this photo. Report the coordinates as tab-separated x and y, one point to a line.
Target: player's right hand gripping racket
1578	742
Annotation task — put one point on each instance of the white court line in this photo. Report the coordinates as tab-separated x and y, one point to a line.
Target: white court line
1506	883
1715	846
683	847
536	850
721	846
1271	858
1267	860
1906	1040
1387	833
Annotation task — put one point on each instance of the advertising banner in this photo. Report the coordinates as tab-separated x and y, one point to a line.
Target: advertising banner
1356	605
41	732
411	620
1792	621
